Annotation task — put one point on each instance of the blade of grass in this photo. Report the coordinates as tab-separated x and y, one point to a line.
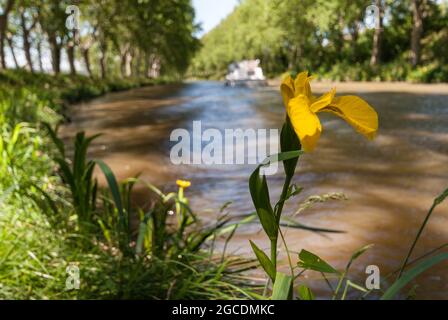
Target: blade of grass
437	201
411	274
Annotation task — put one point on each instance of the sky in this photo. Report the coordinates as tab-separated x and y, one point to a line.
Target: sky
210	12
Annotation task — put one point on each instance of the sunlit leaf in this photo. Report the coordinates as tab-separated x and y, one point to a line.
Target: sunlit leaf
305	293
310	261
265	262
282	287
260	197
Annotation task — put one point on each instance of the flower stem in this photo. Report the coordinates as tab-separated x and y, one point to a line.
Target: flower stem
278	214
274	253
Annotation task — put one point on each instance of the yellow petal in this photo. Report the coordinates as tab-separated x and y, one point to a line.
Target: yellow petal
183	183
302	85
323	101
305	122
300	80
357	113
287	90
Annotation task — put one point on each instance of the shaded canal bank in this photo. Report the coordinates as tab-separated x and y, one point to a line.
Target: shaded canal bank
389	183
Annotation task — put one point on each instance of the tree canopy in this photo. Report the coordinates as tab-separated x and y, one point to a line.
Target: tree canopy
132	37
334	38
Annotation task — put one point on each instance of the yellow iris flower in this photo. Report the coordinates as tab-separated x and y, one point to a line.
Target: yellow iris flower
302	107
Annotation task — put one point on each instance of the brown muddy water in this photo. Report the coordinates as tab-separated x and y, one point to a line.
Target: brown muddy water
389	183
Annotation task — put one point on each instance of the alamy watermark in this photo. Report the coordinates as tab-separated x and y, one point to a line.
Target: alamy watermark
228	147
73	280
374	277
72	21
372	18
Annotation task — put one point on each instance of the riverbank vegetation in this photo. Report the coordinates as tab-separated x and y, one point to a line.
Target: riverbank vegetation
337	39
63	236
56	223
54	218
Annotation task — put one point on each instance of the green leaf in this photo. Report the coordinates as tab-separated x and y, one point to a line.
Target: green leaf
411	274
305	293
113	186
260	196
57	142
231	226
290	223
282	287
283	156
289	142
265	262
142	233
310	261
66	173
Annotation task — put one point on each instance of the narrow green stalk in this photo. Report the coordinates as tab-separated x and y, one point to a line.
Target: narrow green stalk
338	287
287	252
278	213
274	252
422	227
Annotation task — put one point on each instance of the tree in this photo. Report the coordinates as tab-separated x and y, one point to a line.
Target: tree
28	21
417	31
52	18
377	36
6	7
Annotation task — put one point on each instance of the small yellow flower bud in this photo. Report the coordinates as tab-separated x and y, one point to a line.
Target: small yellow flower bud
183	183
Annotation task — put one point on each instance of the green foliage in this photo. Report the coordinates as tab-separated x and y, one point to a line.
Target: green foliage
310	261
77	174
412	274
305	293
264	261
53	215
282	287
260	197
328	37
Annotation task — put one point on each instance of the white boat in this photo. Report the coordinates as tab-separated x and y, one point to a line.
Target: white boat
246	72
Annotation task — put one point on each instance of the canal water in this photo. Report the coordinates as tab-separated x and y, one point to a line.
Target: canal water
388	184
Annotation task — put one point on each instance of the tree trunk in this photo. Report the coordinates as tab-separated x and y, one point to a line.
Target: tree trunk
153	67
71	57
103	61
85	54
417	31
147	66
11	46
3	28
26	42
126	64
138	64
55	53
132	63
39	56
354	41
295	54
377	37
122	65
